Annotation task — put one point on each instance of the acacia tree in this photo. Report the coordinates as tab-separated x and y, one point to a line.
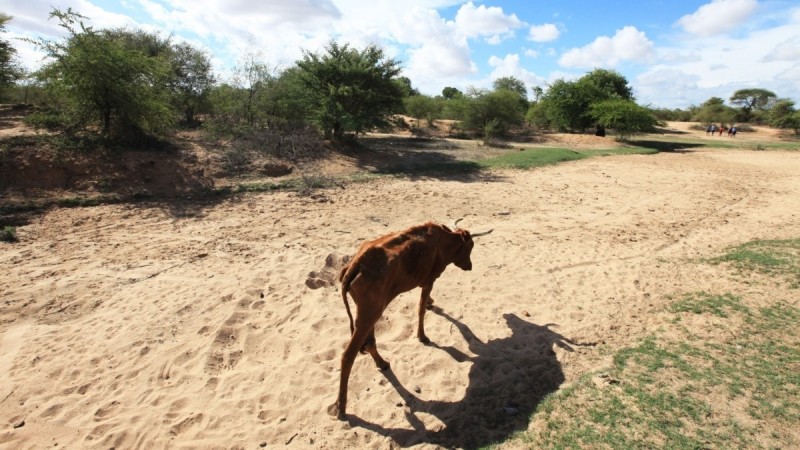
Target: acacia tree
624	116
354	89
751	100
9	69
99	77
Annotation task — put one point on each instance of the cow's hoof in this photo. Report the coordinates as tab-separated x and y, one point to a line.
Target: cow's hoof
336	412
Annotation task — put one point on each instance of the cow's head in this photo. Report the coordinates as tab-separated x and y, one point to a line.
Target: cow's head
462	256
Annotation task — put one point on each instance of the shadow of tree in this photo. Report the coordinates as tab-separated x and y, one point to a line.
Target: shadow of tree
418	158
508	379
669	146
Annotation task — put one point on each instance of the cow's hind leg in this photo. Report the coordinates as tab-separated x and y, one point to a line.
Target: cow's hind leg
364	324
360	333
371	347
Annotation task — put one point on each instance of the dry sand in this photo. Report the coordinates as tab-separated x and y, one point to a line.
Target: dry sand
196	326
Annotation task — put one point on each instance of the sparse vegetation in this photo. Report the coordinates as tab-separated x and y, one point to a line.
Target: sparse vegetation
779	258
732	382
685	390
8	234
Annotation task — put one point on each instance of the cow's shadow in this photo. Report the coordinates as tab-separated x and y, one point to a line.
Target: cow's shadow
509	377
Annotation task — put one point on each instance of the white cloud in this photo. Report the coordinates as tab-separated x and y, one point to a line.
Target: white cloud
788	50
544	33
489	22
628	44
717	17
509	66
530	53
665	87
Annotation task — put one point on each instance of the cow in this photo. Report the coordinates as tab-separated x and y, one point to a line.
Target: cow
386	267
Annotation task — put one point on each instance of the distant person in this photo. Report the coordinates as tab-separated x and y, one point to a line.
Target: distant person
730	130
721	127
708	130
713	129
733	131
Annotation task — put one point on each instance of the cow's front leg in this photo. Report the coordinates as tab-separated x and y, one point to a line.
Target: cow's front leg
425	301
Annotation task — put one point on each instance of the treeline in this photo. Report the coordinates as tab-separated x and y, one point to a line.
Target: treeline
756	106
122	84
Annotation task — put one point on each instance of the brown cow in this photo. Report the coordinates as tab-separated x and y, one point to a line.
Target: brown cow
386	267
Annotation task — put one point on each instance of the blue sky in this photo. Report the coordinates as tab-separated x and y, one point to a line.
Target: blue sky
673	53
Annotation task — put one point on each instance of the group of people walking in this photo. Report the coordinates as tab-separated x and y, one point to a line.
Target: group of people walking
713	128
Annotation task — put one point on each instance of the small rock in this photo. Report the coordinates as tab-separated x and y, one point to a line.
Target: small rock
19	424
510	410
417	389
262	445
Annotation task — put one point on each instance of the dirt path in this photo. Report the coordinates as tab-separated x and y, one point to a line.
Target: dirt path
192	326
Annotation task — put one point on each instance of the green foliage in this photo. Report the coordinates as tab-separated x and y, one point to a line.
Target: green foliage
511	84
106	78
405	87
751	100
499	109
354	89
422	107
676	114
8	234
624	116
607	84
191	80
784	115
567	104
714	110
10	71
450	93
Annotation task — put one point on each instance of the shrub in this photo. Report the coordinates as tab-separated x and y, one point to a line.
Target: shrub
8	234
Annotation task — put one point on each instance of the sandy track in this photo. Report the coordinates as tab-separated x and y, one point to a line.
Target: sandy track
190	326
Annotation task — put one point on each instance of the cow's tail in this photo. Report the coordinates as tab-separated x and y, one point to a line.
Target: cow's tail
346	276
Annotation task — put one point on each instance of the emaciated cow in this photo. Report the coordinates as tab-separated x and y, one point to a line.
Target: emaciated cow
386	267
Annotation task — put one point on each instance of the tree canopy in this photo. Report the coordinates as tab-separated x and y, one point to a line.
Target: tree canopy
624	116
750	100
566	104
9	69
355	89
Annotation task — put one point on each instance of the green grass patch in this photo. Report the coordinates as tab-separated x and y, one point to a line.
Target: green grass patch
704	303
779	258
531	158
619	151
680	390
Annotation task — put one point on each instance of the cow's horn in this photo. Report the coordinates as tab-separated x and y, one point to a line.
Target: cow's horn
455	225
482	233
